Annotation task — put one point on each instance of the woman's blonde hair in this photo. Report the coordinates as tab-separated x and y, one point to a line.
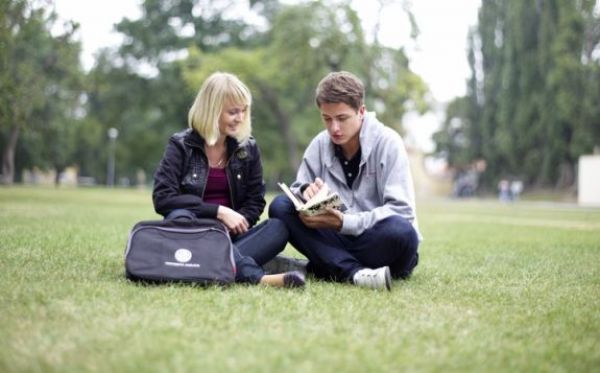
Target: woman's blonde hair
216	90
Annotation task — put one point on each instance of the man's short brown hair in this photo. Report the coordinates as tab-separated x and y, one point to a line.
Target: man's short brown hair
340	86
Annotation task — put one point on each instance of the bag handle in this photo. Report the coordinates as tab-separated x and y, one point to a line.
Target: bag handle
181	215
187	217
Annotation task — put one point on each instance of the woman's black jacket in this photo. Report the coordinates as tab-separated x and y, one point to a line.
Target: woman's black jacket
180	180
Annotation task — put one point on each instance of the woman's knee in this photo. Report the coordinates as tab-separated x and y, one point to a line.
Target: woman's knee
277	229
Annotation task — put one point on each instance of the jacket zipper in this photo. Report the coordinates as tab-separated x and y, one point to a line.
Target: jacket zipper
227	171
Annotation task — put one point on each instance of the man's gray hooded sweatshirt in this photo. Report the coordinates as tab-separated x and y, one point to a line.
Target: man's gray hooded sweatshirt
383	186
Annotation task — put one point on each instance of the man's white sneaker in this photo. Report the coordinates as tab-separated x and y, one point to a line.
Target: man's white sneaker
379	278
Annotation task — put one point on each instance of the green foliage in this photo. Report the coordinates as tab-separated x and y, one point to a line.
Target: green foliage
144	110
529	113
144	88
139	88
41	88
169	27
498	288
306	42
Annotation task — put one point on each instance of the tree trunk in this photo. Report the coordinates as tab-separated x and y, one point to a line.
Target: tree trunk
8	157
284	124
566	176
57	175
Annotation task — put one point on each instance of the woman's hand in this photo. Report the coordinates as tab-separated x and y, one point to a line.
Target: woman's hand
332	219
234	221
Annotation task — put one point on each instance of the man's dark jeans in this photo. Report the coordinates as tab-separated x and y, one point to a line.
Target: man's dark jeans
252	249
392	242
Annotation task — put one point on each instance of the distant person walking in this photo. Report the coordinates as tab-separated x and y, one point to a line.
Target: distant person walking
516	188
504	194
213	170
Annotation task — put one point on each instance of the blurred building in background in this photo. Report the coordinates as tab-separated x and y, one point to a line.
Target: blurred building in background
588	182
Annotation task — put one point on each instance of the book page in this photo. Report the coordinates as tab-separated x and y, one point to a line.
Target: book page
318	204
320	207
321	195
291	196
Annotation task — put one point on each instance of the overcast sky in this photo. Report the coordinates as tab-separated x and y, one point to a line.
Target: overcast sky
438	56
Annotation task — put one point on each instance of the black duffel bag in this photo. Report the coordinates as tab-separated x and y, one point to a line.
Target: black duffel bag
187	250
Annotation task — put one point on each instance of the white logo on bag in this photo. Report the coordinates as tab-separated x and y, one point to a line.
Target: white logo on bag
183	255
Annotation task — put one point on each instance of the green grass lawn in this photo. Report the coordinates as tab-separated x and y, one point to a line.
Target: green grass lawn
499	288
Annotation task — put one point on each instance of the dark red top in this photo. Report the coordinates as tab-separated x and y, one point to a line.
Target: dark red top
217	187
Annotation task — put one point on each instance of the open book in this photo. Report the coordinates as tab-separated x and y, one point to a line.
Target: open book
318	204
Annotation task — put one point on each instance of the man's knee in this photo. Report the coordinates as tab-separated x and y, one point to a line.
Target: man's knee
398	229
280	207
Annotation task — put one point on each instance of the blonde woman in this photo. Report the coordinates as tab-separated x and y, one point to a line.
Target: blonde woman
213	170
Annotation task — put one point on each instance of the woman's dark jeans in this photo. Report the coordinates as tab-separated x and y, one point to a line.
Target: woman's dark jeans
391	242
252	249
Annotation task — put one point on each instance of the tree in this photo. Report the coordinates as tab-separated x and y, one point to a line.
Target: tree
181	42
139	88
306	41
39	74
528	108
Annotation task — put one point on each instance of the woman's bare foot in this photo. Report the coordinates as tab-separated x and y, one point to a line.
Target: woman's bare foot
292	279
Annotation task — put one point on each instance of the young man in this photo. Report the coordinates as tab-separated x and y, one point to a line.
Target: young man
376	237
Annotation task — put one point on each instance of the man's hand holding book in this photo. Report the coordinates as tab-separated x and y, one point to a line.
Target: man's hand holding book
322	206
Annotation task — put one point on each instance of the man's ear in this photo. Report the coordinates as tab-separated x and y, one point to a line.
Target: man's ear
361	111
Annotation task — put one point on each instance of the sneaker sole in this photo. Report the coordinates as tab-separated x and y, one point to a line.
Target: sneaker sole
388	279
